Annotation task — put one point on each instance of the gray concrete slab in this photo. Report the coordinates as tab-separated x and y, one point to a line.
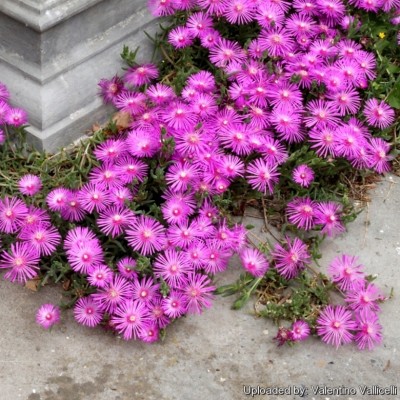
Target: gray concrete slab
208	357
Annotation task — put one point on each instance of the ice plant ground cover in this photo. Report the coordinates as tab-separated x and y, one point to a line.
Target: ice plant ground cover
265	103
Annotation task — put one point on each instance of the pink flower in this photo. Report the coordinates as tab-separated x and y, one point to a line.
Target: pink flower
110	89
379	158
16	117
346	272
23	263
303	175
198	293
335	324
29	185
328	215
291	258
126	267
301	212
130	319
141	74
181	37
378	114
87	312
42	236
113	294
99	275
262	176
48	315
254	262
172	267
175	304
12	214
368	330
239	11
114	220
146	235
300	330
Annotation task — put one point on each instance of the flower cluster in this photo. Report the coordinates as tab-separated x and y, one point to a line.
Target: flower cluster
298	82
359	320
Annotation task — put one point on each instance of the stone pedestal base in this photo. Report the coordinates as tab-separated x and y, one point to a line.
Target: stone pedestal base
54	52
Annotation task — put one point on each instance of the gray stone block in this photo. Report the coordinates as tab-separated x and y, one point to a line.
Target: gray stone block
54	52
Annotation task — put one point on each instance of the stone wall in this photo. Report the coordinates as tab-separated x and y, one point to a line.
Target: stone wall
54	52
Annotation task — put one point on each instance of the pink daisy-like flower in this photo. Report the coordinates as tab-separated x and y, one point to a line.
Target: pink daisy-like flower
239	11
127	268
145	290
105	176
29	185
363	296
12	214
347	101
262	176
198	293
150	333
114	220
379	158
57	199
79	237
16	117
333	10
254	262
181	37
42	236
277	41
23	263
204	105
100	275
160	93
131	169
130	102
87	312
47	315
172	267
157	315
113	294
210	38
162	8
183	235
146	235
225	52
180	116
110	150
346	272
198	23
84	256
94	197
291	258
175	304
301	212
195	254
378	114
180	176
34	216
269	14
303	175
368	330
273	151
212	6
215	257
143	143
328	215
141	74
335	324
236	137
178	208
110	89
287	122
323	141
300	330
130	319
321	113
202	81
73	210
367	63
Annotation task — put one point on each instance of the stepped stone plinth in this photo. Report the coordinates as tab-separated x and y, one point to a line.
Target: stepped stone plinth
54	52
